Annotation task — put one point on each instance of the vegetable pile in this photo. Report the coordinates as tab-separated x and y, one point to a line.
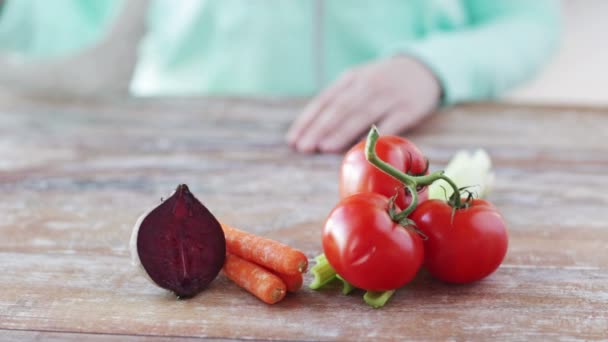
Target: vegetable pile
182	247
384	229
389	223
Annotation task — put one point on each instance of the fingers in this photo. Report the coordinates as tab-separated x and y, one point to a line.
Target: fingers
399	120
356	125
337	113
316	107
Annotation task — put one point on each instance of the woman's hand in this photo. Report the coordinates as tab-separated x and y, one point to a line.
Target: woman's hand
396	94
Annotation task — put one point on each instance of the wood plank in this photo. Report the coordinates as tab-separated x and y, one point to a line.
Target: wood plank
103	294
52	336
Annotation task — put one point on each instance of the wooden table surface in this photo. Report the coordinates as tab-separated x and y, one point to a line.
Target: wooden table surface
75	176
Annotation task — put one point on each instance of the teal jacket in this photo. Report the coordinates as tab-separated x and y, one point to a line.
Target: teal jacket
477	48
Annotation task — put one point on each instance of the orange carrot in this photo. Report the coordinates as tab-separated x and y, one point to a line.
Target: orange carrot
258	281
265	252
292	281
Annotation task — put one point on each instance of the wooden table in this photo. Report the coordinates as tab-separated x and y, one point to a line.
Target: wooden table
75	176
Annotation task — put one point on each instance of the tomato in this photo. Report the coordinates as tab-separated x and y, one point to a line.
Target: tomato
358	175
367	248
466	247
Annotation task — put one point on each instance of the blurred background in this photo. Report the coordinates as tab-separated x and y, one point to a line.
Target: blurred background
576	75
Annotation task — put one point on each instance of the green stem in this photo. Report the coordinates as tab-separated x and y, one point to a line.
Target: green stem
377	299
428	179
372	157
409	181
404	213
457	203
323	273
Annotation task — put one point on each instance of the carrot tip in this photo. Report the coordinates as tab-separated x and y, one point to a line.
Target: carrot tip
277	294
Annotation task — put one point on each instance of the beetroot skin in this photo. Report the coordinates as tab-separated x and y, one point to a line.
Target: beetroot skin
181	245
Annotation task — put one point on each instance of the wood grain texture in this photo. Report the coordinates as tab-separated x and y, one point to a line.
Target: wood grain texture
74	177
52	336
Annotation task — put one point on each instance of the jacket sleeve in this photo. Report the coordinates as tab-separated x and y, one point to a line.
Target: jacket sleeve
504	43
15	31
53	28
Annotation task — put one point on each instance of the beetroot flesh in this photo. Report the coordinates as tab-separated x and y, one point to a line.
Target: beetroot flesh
181	245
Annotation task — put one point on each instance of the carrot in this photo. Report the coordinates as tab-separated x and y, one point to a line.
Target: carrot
258	281
265	252
292	281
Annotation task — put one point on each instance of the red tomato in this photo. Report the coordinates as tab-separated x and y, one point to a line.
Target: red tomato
367	248
358	175
465	248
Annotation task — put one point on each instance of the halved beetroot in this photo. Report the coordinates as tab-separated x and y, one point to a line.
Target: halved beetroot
180	244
